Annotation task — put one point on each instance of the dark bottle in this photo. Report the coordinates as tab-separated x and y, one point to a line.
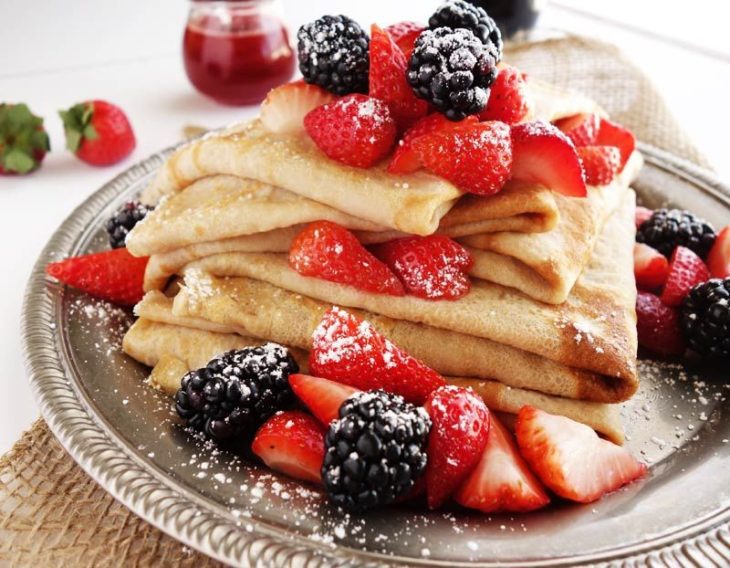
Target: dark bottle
512	16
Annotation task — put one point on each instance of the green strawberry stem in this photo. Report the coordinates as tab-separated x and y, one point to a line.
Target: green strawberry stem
23	141
77	125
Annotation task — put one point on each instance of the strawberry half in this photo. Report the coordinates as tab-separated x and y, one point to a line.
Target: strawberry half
582	129
571	459
326	250
113	275
434	267
650	267
542	154
686	270
501	481
475	157
459	433
348	350
600	163
388	82
658	326
507	97
285	107
321	396
292	442
23	140
405	34
718	259
642	214
612	134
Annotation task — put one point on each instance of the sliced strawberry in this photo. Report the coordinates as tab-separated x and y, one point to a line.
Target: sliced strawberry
356	130
657	326
388	82
650	267
582	129
113	275
612	134
285	107
642	214
434	267
508	99
501	481
475	157
686	270
292	442
718	259
544	155
321	396
326	250
459	433
600	163
405	34
350	351
571	459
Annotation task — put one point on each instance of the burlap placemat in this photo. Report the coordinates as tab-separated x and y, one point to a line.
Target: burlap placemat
53	514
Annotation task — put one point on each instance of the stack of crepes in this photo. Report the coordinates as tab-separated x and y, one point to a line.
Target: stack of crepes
549	320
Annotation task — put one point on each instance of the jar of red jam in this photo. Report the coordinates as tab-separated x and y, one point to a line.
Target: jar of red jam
236	51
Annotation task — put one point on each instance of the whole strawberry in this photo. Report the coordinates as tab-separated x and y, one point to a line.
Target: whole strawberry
23	140
98	132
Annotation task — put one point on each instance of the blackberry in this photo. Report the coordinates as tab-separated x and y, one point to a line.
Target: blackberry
237	391
461	14
667	229
706	318
334	54
375	451
124	220
453	70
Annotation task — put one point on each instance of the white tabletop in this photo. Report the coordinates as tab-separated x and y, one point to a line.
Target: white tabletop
59	52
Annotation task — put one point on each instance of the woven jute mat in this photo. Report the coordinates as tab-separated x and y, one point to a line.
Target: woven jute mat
53	514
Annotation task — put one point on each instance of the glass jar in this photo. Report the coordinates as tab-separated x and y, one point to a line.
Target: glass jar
236	51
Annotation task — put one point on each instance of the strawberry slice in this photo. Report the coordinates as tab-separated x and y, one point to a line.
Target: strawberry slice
292	442
326	250
285	107
355	130
642	214
657	326
612	134
718	259
348	350
650	267
508	100
405	34
600	163
582	129
571	459
542	154
113	275
501	481
321	396
475	157
686	270
459	433
434	267
388	82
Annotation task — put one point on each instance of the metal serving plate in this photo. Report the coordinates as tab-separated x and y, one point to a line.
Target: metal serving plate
127	438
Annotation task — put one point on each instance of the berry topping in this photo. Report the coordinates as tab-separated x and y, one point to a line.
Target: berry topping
600	163
23	140
460	14
350	351
405	34
434	267
667	229
235	392
650	267
119	225
706	318
642	214
571	459
542	154
501	481
459	433
326	250
686	270
475	157
292	443
452	70
285	107
321	396
718	260
658	326
375	451
356	130
113	275
333	53
582	129
508	98
98	132
612	134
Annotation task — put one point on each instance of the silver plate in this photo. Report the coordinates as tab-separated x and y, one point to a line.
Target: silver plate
126	437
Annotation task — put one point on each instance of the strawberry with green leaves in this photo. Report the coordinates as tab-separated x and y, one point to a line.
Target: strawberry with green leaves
23	140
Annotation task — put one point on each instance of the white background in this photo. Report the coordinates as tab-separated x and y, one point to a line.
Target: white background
54	53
